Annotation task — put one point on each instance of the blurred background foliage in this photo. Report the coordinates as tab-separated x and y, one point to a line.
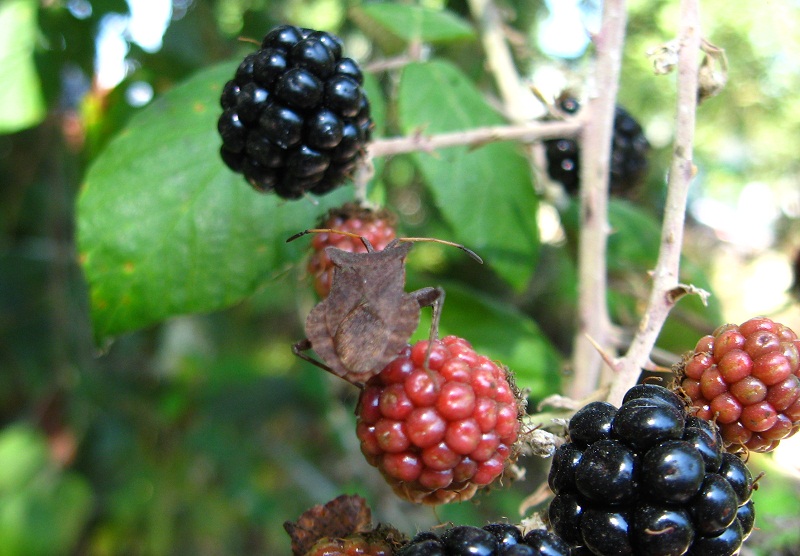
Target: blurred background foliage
201	433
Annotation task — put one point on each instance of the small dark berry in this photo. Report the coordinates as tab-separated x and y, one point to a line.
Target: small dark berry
343	95
466	540
349	67
643	422
746	515
605	533
299	88
313	55
661	530
350	144
230	95
232	131
231	159
264	151
244	73
727	543
283	37
324	130
707	446
281	125
252	100
656	392
305	162
424	548
564	513
591	423
261	178
714	507
738	476
562	469
521	550
673	471
506	534
606	473
269	64
332	42
545	543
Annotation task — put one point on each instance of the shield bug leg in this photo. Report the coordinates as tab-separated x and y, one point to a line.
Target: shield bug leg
431	297
299	350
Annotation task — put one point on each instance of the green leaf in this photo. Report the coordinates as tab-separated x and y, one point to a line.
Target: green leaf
164	228
21	101
43	510
501	333
485	194
393	26
23	451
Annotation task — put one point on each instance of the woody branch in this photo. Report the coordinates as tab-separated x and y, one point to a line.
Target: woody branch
666	289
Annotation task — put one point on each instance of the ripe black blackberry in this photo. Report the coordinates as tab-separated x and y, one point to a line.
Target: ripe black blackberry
648	478
629	151
295	116
495	539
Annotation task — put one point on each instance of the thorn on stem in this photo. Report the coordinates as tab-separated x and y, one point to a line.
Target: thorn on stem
681	290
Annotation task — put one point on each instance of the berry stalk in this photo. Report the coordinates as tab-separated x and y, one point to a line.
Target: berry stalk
526	133
666	289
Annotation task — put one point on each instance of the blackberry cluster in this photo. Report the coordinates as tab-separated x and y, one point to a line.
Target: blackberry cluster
747	378
496	539
376	226
295	116
441	430
648	479
629	151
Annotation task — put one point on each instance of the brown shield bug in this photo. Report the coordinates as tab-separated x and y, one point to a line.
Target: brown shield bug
368	317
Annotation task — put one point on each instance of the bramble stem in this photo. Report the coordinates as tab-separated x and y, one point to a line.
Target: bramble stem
524	133
594	324
665	276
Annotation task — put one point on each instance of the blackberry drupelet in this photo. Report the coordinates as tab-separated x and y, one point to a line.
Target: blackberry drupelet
648	479
295	116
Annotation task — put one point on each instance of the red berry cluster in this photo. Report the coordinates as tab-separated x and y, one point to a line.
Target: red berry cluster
440	431
747	378
376	226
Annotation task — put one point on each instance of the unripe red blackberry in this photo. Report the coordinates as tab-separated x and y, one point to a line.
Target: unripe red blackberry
747	379
648	478
295	116
378	227
439	432
629	151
